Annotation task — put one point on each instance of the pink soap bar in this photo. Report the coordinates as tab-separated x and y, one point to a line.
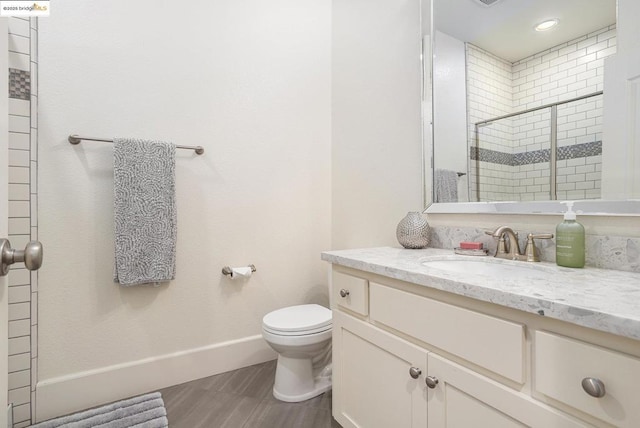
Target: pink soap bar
471	245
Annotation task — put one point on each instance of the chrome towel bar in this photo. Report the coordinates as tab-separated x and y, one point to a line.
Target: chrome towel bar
76	139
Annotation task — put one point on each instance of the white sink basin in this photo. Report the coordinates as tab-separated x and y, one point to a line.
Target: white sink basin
485	266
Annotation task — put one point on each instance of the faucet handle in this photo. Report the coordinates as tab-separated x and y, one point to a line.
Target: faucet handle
531	252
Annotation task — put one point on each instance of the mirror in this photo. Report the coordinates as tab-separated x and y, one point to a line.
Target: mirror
518	113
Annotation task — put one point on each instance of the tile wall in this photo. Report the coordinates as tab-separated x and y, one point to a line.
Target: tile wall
513	155
23	218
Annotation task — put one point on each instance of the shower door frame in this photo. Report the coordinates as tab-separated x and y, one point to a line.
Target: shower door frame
553	139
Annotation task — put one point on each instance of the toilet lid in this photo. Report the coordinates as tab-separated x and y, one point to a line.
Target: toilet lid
301	318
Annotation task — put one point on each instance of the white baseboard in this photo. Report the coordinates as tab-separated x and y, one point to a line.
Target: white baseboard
83	390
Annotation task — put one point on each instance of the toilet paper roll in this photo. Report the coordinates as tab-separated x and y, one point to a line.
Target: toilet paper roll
241	272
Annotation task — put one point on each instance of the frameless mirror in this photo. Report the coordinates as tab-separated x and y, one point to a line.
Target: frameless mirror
517	110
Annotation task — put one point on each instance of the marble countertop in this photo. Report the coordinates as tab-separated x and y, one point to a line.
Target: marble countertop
602	299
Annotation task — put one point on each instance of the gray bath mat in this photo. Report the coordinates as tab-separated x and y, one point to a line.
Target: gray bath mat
145	411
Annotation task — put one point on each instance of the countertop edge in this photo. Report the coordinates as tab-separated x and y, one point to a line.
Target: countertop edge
574	314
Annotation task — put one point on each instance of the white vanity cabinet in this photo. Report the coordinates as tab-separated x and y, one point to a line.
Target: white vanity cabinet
483	367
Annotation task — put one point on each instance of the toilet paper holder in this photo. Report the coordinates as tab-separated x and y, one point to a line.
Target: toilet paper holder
227	270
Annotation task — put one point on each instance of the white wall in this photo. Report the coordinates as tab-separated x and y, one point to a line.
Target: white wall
376	135
250	82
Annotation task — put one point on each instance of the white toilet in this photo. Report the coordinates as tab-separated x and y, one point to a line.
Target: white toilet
301	335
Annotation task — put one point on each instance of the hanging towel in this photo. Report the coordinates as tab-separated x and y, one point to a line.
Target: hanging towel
446	185
144	211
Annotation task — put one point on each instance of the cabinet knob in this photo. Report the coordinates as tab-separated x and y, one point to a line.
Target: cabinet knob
415	372
344	293
431	381
594	387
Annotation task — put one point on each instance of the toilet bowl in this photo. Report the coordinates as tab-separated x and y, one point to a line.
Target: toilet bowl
301	335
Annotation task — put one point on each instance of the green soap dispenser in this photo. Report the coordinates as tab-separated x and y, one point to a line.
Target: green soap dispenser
570	240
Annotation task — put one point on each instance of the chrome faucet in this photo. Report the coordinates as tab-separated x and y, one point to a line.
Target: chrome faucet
512	250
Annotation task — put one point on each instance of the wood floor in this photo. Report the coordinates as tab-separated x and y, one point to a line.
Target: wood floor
242	399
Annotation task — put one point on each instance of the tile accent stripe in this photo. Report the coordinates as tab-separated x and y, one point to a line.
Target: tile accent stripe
19	84
537	156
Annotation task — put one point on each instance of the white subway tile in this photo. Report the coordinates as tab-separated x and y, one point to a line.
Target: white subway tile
576	194
19	44
34	177
566	186
19	61
19	107
587	42
19	225
598	63
18	158
567	65
594	175
578	69
19	141
19	209
19	293
19	379
34	340
18	174
19	328
19	27
597	47
606	52
585	185
19	124
568	49
19	345
19	362
34	111
21	413
19	192
20	396
18	277
34	144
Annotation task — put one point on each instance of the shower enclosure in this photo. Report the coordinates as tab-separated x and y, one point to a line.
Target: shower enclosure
544	153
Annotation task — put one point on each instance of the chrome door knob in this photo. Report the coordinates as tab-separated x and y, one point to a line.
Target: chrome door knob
594	387
415	372
344	293
31	256
431	381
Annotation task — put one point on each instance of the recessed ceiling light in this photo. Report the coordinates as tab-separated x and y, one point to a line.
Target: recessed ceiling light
546	25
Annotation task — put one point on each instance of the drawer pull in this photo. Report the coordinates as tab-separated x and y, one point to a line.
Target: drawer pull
431	381
594	387
344	293
415	372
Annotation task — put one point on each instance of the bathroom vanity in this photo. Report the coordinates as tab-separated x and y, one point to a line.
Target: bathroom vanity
424	338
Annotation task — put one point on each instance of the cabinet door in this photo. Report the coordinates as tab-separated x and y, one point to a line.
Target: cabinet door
463	398
372	386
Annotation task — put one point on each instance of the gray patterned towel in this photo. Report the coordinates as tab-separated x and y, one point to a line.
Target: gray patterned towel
446	185
144	211
145	411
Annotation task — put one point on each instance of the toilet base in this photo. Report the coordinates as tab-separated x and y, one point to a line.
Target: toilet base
295	380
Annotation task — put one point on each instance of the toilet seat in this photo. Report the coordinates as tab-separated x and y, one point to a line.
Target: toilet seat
298	320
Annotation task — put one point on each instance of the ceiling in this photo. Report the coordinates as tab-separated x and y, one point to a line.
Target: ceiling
506	28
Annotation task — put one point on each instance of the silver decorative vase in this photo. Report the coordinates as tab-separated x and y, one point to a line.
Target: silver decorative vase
413	231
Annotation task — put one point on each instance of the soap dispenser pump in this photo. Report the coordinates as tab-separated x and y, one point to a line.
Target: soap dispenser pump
570	250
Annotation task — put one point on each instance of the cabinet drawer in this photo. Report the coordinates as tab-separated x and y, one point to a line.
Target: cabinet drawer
489	342
355	291
561	364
